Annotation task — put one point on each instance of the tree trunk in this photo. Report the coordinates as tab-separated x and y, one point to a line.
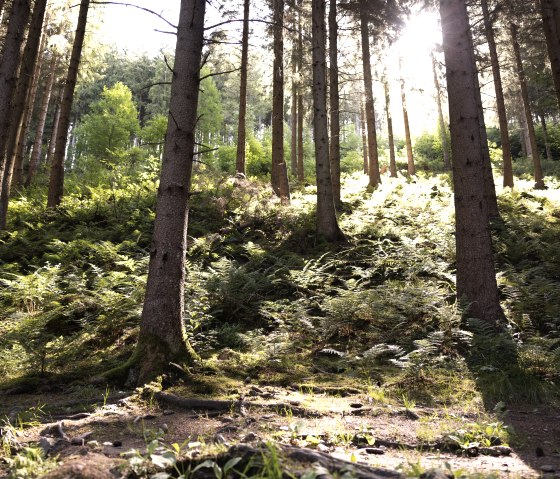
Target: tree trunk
334	152
545	137
43	112
326	222
441	121
242	125
500	103
410	159
300	114
280	183
56	184
476	278
392	161
9	67
294	117
54	128
539	181
28	63
364	138
373	164
552	36
162	334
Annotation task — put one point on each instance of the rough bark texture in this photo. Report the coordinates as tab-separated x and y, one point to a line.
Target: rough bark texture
476	278
552	35
43	112
300	113
242	122
373	165
334	152
28	63
326	222
56	184
546	138
364	139
538	174
54	129
500	103
280	183
442	127
9	66
410	158
162	334
392	161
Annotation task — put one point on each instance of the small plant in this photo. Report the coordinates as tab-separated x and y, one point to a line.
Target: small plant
29	463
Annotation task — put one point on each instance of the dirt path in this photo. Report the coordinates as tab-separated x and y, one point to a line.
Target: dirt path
352	428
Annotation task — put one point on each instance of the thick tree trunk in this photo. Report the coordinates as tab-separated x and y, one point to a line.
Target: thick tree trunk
500	103
410	158
326	222
392	161
43	112
334	152
9	67
539	181
476	278
552	36
28	64
545	137
441	121
162	334
280	183
242	124
364	138
56	184
373	164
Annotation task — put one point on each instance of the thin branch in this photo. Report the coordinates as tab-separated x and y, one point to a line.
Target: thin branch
219	73
147	87
168	66
96	2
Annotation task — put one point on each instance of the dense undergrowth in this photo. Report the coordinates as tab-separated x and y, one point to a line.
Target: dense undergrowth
264	299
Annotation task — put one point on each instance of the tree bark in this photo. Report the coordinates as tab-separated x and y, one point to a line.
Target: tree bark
294	116
326	222
280	183
373	164
539	181
363	129
334	152
441	121
545	138
410	158
300	114
162	334
242	124
28	64
476	278
54	128
500	103
43	112
56	184
392	161
552	37
9	66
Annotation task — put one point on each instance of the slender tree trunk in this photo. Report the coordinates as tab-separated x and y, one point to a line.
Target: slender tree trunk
545	137
9	67
242	125
162	334
373	164
364	138
552	36
523	135
392	161
300	114
280	183
43	112
29	61
326	222
408	141
56	184
539	181
294	119
334	152
54	128
441	121
476	278
500	103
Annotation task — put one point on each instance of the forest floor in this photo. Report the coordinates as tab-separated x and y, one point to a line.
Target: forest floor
318	360
350	427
